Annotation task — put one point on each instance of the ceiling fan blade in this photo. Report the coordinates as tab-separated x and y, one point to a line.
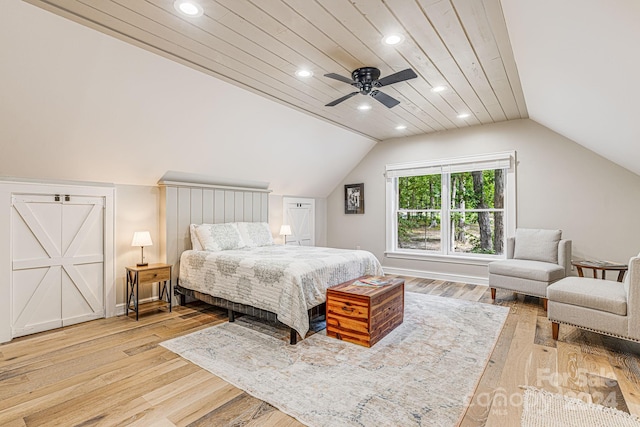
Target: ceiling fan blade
400	76
385	99
341	78
339	100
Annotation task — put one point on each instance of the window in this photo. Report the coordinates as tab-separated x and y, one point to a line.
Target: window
455	207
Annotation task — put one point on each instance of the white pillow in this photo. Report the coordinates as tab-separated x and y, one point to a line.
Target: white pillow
195	242
537	245
255	234
219	237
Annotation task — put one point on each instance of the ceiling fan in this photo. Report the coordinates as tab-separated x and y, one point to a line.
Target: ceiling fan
366	79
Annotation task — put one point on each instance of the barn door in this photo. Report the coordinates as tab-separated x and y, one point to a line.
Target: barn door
299	214
57	261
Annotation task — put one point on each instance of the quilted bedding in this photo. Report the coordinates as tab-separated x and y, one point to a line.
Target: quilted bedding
286	280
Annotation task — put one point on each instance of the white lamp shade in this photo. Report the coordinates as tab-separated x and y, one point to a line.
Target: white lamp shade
141	238
285	230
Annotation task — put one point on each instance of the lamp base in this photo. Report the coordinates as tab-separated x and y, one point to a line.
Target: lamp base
143	264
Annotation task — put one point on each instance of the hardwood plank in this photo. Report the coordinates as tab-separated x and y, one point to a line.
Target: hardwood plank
543	333
114	372
480	404
237	411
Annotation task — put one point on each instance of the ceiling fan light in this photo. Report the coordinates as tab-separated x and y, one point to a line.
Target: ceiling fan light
364	107
304	73
463	115
188	8
437	89
393	39
401	127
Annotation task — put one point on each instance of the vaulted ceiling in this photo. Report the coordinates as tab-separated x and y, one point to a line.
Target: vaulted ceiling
259	45
71	92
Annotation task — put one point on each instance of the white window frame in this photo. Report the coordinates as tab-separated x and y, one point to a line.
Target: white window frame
502	160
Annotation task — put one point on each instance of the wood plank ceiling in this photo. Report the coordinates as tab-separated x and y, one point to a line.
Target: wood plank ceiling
260	44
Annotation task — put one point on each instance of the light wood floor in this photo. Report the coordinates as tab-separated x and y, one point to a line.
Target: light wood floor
113	372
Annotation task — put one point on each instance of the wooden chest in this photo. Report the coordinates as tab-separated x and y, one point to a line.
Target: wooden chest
364	314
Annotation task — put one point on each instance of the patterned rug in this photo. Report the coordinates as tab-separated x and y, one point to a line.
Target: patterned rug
543	408
422	374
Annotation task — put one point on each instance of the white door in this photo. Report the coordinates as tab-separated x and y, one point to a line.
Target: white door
299	213
58	261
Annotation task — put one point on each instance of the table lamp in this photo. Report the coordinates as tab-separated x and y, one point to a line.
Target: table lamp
285	231
142	239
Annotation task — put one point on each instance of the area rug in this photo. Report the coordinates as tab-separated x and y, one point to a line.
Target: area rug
543	408
422	373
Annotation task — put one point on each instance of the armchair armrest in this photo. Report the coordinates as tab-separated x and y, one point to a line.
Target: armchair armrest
632	286
511	247
564	255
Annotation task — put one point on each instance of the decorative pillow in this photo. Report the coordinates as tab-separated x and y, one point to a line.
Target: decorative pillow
195	242
255	234
219	237
537	245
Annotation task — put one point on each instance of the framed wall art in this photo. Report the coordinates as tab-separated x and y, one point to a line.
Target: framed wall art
354	199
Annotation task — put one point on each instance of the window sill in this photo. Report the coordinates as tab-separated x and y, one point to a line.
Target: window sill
449	259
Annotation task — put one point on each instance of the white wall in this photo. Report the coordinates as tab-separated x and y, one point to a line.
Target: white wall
578	73
560	184
137	209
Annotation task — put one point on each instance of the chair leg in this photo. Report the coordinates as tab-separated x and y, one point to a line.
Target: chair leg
555	330
493	293
544	303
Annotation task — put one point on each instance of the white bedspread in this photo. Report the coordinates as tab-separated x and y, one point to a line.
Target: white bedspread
286	280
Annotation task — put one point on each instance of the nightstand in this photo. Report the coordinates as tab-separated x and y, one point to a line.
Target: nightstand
152	273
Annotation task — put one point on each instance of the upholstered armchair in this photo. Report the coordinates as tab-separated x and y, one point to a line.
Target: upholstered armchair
535	259
604	306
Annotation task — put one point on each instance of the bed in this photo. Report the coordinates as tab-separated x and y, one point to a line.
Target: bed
287	281
187	200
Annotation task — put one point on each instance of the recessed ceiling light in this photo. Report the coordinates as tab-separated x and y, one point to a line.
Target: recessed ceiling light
437	89
364	107
401	127
304	73
188	8
463	115
393	39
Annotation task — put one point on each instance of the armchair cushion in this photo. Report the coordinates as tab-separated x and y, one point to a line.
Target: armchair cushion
597	294
525	269
537	245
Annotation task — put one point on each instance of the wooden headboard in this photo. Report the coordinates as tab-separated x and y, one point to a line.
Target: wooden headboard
191	199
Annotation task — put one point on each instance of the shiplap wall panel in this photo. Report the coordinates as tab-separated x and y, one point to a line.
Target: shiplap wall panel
196	206
257	206
208	206
171	226
264	209
187	205
248	207
229	206
184	219
219	207
238	211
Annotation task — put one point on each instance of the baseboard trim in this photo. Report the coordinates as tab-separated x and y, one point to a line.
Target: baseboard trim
422	274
